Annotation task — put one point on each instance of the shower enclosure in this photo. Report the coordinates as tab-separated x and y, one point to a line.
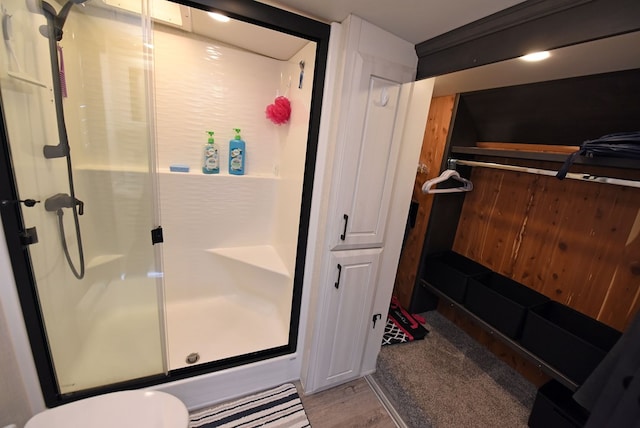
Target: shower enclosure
137	273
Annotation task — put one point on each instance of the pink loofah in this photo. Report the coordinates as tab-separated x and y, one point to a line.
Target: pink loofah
280	111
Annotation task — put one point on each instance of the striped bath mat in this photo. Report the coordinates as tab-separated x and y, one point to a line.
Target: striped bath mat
277	407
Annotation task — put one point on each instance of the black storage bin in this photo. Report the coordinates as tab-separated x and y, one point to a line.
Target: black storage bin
501	302
566	339
555	407
449	273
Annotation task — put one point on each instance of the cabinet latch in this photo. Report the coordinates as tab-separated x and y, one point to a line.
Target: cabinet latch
376	317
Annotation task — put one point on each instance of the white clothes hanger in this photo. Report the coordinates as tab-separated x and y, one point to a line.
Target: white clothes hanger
467	185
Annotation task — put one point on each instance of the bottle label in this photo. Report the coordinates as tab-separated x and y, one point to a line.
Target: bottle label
236	160
211	158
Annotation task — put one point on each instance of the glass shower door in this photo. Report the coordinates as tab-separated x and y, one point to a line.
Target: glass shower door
96	270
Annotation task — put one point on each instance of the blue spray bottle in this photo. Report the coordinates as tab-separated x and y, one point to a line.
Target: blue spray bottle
211	159
236	154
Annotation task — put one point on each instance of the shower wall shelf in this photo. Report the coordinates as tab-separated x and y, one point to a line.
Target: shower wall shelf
165	170
114	168
261	256
25	78
196	171
103	260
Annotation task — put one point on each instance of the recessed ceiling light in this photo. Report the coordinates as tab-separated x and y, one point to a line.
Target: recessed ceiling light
219	17
536	56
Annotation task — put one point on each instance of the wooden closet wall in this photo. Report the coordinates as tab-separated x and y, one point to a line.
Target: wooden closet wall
576	242
431	155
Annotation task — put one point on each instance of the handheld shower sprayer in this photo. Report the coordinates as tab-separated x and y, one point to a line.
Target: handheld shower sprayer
63	200
53	32
58	18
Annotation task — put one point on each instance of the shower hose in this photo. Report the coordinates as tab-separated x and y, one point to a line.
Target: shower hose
63	239
65	248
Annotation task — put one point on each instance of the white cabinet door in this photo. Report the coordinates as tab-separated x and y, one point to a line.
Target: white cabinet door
369	153
350	281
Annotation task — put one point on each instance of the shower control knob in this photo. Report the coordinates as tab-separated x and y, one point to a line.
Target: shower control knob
26	202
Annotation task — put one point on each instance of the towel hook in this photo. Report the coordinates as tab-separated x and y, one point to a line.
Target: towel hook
301	64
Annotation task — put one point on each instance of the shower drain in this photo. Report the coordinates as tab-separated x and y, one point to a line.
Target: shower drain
193	358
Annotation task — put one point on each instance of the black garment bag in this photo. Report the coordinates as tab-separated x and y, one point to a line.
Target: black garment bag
619	145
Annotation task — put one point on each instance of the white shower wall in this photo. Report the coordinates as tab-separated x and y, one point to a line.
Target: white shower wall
292	139
202	85
229	237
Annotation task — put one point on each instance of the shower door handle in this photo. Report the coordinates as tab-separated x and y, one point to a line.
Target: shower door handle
337	284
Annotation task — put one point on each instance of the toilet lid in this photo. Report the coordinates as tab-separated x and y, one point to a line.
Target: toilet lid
139	409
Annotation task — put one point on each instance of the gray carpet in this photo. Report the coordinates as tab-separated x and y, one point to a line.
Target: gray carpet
449	380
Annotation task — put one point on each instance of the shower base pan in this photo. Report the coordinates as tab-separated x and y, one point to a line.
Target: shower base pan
212	329
125	343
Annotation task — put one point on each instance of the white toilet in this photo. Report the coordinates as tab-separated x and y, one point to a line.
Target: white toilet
125	409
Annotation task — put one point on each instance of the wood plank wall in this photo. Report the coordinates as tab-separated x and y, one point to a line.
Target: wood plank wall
433	145
576	242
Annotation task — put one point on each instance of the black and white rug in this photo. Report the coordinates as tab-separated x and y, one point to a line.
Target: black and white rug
278	407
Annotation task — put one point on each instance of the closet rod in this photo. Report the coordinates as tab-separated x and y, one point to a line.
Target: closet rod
572	175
